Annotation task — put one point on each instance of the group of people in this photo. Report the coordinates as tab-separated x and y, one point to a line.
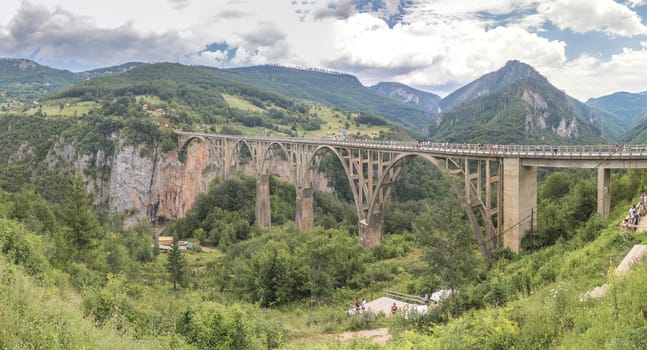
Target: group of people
631	220
360	306
618	149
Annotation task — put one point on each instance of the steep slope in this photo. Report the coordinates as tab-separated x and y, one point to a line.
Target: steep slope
525	110
512	72
336	89
636	134
623	109
27	80
407	94
107	71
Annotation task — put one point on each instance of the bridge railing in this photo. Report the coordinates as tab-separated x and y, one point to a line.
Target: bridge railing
413	299
540	151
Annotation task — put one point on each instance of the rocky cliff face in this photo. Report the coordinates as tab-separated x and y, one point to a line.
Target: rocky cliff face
151	187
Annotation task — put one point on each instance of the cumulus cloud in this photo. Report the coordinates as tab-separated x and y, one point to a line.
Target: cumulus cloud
583	16
266	34
582	77
336	9
179	4
210	58
231	14
60	35
437	52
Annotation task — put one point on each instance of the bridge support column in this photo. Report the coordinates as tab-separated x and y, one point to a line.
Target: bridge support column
305	217
604	192
370	233
263	217
519	200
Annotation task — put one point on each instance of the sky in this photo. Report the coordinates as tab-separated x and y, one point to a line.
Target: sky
588	48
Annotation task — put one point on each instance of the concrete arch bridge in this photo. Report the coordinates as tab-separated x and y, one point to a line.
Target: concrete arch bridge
498	182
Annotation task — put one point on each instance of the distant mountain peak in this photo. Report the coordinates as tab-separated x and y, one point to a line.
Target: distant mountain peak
516	104
519	71
513	72
20	63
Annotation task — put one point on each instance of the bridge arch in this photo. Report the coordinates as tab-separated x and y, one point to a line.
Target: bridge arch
215	153
267	158
314	162
185	141
391	173
238	147
372	193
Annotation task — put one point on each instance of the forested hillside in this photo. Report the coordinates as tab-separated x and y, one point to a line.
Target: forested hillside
516	105
623	109
335	89
28	80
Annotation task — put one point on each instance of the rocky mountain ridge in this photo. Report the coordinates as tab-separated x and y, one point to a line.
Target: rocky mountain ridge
407	94
515	105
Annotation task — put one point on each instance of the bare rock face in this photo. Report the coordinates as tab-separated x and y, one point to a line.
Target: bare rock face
567	129
151	186
159	188
176	185
130	180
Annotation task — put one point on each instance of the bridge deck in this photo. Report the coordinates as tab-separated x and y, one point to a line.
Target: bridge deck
592	152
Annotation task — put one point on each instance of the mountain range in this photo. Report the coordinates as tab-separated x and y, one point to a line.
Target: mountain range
514	104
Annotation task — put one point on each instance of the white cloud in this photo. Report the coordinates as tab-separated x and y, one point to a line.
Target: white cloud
588	76
179	4
583	16
438	51
60	35
210	58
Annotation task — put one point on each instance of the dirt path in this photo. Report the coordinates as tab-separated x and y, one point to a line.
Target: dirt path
379	336
209	249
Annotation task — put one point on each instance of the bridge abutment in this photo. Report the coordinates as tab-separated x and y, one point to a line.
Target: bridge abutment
519	201
305	218
263	217
604	192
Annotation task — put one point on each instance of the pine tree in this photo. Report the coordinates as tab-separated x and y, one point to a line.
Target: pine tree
175	265
450	250
82	231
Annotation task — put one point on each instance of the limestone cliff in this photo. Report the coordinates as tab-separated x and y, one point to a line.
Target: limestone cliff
149	185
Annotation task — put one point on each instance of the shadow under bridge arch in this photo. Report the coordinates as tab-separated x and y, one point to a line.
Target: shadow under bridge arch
483	218
214	152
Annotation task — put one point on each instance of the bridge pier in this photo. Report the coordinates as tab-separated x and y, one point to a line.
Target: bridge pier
519	200
305	218
604	192
370	232
263	217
